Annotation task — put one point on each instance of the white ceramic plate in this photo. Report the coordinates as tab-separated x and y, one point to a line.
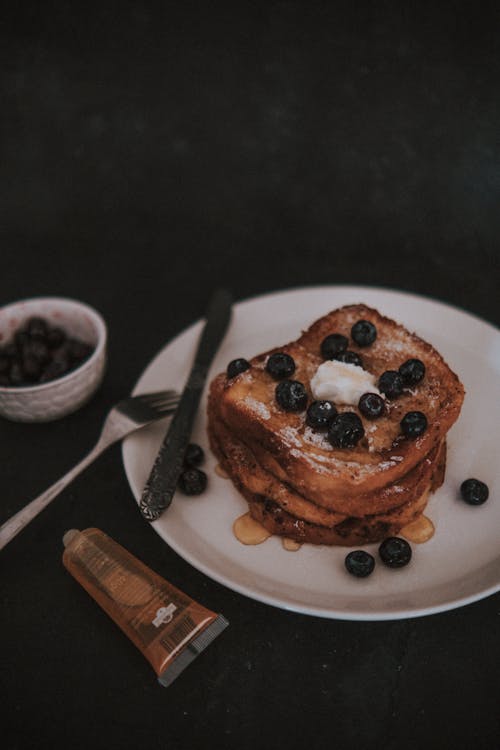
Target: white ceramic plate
459	565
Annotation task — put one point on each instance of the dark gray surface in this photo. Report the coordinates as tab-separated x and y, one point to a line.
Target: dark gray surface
147	157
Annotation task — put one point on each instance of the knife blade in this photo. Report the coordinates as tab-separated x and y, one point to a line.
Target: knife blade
162	481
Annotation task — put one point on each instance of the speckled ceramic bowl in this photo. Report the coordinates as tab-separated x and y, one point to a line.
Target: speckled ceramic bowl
55	398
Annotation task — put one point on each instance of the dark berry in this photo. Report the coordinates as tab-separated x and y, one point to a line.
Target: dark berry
291	395
412	371
55	338
78	351
413	424
359	563
333	344
395	552
391	383
194	455
4	363
350	358
320	414
52	371
16	373
31	367
21	340
192	481
280	365
371	405
363	333
474	492
38	350
36	328
237	366
345	430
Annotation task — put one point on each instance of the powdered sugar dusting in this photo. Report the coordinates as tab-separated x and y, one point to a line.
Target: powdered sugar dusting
258	407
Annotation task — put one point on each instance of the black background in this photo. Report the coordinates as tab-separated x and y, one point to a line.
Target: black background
149	154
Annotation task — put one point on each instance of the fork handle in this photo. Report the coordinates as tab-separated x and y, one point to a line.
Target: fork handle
22	518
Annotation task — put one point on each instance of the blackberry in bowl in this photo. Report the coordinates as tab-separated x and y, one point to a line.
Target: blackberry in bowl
52	357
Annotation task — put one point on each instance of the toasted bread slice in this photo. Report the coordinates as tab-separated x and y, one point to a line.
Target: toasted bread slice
284	512
302	457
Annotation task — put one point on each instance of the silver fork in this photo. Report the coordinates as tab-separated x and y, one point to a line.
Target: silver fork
128	415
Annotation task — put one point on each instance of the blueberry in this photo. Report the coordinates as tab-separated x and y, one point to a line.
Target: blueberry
55	338
371	405
194	455
346	430
31	367
333	344
78	351
16	376
363	333
320	414
474	492
192	481
52	371
350	358
237	366
37	328
291	395
359	563
395	552
280	365
413	424
391	383
38	350
412	371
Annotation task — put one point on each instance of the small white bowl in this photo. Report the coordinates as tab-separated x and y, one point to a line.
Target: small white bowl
55	398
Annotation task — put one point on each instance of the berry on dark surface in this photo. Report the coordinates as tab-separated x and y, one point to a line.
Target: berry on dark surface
346	430
280	365
194	455
237	366
363	333
395	552
333	344
291	395
474	491
39	353
414	424
412	371
371	405
359	563
350	358
192	481
391	383
320	414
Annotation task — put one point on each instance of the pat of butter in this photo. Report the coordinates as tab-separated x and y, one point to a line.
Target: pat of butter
342	383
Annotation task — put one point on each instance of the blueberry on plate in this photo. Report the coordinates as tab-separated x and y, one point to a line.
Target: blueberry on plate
280	365
320	414
192	481
412	371
350	358
346	430
371	405
333	344
474	492
414	424
291	395
236	366
391	383
363	333
359	563
395	552
194	455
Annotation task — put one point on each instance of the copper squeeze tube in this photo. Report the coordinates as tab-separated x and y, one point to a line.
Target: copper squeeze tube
166	625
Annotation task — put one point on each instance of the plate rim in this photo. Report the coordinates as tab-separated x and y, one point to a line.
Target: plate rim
447	604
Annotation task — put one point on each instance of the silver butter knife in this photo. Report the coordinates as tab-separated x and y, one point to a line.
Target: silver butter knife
161	484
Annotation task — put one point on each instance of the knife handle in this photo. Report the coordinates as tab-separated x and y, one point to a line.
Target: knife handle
160	487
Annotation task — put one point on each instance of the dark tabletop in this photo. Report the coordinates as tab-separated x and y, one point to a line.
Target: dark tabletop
148	157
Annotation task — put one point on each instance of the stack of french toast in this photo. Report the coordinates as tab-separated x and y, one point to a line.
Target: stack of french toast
339	437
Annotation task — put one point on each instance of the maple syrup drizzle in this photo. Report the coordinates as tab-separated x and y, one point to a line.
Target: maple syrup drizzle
290	544
221	472
249	531
418	531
